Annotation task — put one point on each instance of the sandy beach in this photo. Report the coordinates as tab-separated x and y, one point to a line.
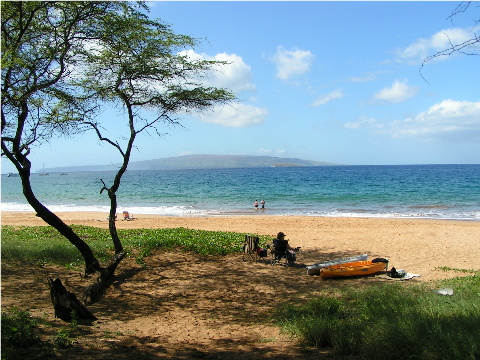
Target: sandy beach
416	245
183	306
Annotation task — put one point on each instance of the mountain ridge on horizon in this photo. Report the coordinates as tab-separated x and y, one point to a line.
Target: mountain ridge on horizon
185	162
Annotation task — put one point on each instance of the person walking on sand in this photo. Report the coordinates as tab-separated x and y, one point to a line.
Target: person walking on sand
263	204
255	204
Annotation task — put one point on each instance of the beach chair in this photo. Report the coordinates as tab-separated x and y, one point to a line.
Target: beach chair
280	253
250	248
126	216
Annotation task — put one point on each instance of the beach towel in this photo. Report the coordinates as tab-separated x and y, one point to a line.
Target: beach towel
407	276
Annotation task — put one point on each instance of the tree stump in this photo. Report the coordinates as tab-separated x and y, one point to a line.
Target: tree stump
66	303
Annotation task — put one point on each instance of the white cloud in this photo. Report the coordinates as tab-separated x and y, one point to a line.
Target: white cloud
422	48
323	99
236	75
235	115
363	121
449	119
293	62
398	92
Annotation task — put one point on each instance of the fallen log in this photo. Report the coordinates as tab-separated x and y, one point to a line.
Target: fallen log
66	304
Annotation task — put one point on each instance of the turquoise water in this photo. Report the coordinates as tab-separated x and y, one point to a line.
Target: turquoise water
417	191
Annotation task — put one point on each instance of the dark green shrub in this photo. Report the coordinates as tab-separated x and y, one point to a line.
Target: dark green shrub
19	336
18	329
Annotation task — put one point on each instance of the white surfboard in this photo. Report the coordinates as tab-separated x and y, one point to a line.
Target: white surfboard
315	268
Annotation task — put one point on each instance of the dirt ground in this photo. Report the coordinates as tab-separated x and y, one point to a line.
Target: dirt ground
179	306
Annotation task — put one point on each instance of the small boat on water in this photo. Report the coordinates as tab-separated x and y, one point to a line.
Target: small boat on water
356	268
43	173
315	269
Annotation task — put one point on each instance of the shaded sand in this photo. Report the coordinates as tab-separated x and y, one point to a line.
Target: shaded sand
184	306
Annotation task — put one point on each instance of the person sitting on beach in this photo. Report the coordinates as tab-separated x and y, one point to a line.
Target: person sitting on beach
291	256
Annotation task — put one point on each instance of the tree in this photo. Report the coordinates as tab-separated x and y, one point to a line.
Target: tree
40	45
54	87
137	64
467	47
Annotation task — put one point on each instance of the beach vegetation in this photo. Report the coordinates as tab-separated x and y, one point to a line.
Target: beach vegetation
27	243
64	62
387	320
20	336
391	321
25	336
448	268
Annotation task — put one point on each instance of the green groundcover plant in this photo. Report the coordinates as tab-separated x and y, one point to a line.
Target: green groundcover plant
20	338
392	321
27	244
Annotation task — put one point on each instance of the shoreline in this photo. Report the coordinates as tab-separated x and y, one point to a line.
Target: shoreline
419	246
187	211
97	218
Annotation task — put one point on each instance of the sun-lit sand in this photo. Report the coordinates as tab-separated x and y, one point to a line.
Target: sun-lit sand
416	245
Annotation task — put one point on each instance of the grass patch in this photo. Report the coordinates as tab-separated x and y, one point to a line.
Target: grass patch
447	268
392	321
44	245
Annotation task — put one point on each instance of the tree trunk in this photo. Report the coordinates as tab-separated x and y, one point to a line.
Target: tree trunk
91	263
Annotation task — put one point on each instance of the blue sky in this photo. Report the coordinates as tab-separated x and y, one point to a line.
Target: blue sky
326	81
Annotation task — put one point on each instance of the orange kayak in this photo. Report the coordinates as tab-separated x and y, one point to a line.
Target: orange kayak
356	268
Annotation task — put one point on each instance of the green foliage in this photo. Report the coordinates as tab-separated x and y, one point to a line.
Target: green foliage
65	335
20	339
43	244
19	336
63	338
18	329
41	42
391	321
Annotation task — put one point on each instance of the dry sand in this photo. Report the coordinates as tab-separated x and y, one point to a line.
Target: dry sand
418	246
185	306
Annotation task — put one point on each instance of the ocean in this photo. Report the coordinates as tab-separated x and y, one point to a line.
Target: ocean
407	191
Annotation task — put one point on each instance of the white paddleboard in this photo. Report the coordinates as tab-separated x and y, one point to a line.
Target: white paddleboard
315	268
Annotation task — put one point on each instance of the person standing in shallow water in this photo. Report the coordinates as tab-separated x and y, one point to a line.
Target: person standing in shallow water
263	204
255	204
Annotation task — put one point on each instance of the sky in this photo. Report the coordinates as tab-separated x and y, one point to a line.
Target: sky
337	82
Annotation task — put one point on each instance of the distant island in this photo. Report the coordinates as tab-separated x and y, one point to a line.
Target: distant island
197	162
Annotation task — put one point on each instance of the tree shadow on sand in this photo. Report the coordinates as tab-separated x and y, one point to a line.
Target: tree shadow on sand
183	306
